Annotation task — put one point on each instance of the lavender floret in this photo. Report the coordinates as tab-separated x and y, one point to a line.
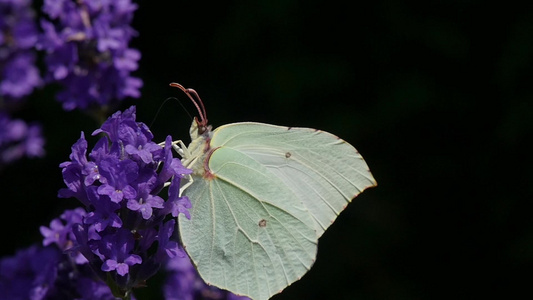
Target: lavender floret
19	139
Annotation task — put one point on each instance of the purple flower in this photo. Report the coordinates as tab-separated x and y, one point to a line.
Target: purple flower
72	172
184	283
119	175
123	131
90	289
87	51
176	204
146	202
19	76
168	247
117	250
29	274
104	214
60	230
18	139
39	273
18	35
127	233
171	166
143	151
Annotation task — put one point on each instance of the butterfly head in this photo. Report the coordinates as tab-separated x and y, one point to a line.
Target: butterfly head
199	129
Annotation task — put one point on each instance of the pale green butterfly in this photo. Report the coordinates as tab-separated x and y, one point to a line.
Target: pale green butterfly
262	195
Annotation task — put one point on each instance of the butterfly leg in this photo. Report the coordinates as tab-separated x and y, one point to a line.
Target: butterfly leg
179	147
190	180
182	150
187	160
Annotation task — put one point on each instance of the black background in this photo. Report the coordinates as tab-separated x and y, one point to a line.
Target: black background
436	96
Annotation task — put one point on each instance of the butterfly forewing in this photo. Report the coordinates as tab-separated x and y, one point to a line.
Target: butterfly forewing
325	172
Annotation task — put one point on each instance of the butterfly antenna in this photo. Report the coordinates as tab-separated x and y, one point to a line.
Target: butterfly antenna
163	104
196	100
195	94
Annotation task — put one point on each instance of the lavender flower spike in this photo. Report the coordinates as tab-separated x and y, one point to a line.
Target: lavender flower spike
128	230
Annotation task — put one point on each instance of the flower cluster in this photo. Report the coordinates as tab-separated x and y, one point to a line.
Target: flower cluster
128	230
18	139
86	43
18	35
42	273
184	283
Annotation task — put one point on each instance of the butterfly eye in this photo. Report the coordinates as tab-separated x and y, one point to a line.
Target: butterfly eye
201	129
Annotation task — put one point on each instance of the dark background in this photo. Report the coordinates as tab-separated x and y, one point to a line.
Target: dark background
436	97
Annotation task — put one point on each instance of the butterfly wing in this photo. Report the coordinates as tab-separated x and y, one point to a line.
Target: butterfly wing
274	190
325	172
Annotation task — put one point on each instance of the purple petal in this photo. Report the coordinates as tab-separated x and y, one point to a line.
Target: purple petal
122	269
146	211
155	201
114	195
129	192
133	205
109	265
133	260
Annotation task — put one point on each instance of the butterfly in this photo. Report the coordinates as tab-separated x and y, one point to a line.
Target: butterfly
262	195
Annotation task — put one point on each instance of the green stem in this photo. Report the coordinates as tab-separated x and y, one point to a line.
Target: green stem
127	296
